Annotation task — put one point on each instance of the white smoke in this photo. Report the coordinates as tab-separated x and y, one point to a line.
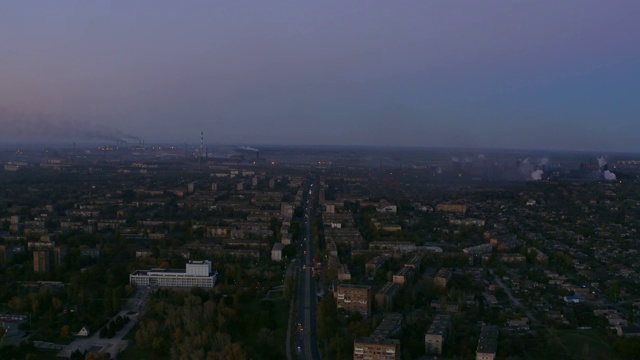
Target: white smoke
543	161
602	161
481	157
248	148
468	160
537	175
438	170
526	169
455	159
609	176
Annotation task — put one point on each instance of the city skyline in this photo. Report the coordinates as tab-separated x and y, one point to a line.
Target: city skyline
526	75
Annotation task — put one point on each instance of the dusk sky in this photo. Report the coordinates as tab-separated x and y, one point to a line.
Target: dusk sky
498	74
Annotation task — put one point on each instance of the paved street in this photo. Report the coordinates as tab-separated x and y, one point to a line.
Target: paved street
513	300
116	344
307	341
14	335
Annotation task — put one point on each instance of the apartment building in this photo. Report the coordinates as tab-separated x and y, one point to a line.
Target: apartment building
488	343
354	298
437	334
369	348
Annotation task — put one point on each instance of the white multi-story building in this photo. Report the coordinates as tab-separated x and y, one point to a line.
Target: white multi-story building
197	273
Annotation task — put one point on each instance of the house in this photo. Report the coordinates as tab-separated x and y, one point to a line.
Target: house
84	332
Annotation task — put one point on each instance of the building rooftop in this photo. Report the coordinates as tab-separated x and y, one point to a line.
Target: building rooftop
390	325
352	286
389	289
379	341
439	325
488	342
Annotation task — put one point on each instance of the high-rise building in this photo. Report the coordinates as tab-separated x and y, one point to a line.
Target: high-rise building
6	253
41	261
59	252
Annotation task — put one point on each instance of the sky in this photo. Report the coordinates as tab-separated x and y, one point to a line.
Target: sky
479	74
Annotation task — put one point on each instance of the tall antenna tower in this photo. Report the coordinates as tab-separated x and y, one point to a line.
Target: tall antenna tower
201	145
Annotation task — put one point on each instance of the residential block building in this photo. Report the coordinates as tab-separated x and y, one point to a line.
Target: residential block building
437	334
488	343
442	277
354	298
368	348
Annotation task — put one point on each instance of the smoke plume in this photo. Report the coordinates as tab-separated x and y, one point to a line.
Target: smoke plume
602	161
43	127
609	176
604	169
537	175
248	148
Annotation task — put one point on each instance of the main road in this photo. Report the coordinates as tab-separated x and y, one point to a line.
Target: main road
306	339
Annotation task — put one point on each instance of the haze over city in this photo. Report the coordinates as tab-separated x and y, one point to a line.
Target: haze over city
497	74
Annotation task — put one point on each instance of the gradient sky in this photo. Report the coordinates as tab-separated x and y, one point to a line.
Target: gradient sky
516	74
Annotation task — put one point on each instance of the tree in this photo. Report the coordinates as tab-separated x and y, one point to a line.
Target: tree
77	355
2	332
64	332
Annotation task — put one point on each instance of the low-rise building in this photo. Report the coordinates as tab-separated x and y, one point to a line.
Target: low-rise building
442	277
354	298
478	249
488	343
196	273
343	272
390	326
384	297
403	275
374	264
369	348
414	262
437	334
452	208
